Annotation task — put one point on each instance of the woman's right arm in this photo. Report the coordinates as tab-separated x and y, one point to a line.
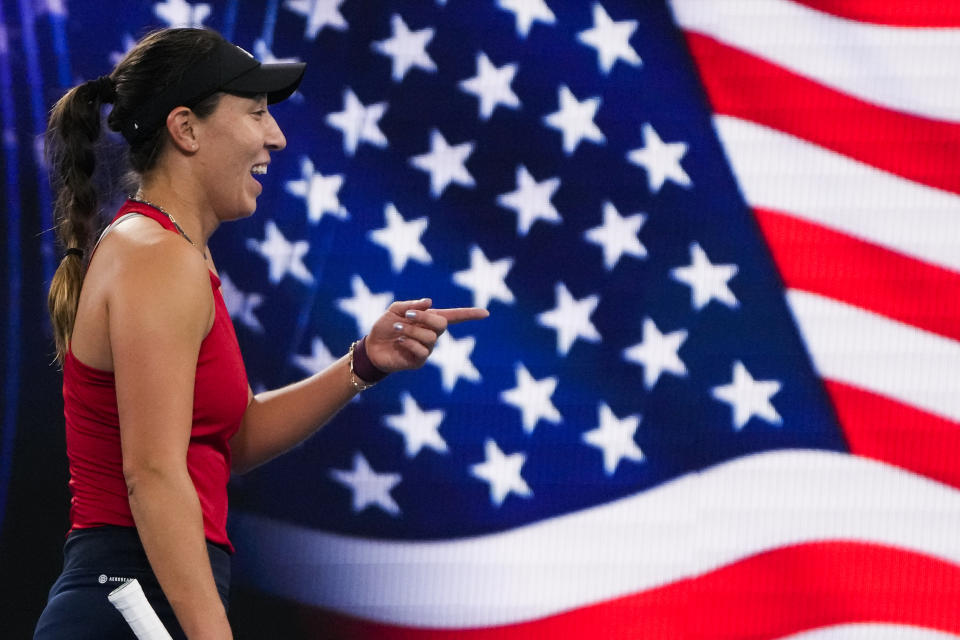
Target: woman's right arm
159	309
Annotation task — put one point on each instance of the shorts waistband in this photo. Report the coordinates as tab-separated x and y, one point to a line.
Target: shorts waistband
120	548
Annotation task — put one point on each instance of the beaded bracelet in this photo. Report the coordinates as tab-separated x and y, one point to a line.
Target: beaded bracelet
363	373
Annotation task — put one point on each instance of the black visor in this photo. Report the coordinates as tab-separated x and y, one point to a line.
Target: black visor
227	68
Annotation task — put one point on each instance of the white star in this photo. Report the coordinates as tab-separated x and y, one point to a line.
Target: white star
570	318
707	281
319	359
369	487
526	11
263	53
615	438
617	235
661	160
319	192
241	305
532	398
748	397
575	120
419	428
180	13
502	473
284	257
531	200
319	14
445	163
485	279
452	357
358	122
53	7
366	307
407	48
115	56
401	239
610	39
492	86
657	353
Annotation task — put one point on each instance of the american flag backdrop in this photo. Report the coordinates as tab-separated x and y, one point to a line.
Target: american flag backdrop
719	240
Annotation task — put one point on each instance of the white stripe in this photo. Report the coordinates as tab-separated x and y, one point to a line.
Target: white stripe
876	353
787	174
871	632
916	70
689	526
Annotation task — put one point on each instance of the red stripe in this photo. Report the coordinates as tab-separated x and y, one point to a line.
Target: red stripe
884	429
739	84
769	595
816	259
900	13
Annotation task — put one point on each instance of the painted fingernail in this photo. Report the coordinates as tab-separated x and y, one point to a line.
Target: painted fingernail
397	326
410	315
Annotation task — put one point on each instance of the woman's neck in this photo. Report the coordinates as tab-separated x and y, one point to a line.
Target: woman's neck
186	208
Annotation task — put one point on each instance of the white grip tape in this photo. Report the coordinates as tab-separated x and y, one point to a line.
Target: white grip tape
130	601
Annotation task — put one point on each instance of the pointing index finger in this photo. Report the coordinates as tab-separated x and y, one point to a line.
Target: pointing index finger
462	314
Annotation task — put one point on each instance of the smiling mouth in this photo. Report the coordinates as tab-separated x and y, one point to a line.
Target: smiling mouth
259	170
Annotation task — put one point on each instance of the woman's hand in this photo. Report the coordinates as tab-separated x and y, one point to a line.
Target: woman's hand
277	420
405	334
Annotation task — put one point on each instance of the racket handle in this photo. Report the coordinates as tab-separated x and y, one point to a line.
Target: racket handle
130	601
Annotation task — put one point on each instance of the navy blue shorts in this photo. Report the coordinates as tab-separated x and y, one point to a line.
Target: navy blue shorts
97	561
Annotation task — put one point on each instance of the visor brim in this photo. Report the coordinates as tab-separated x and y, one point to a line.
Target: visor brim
277	80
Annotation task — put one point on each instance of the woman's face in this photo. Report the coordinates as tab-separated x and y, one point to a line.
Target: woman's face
234	150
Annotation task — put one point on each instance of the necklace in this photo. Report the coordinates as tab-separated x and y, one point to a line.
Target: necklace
139	198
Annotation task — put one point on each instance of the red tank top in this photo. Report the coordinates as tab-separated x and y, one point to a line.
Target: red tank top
93	433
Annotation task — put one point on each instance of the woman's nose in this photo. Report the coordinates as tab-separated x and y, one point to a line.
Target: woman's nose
275	140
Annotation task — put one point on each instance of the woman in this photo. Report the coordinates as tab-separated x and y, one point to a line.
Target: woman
157	404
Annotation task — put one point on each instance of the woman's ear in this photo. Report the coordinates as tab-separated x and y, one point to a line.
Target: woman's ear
180	126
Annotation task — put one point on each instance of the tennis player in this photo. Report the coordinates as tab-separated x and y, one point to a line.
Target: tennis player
157	405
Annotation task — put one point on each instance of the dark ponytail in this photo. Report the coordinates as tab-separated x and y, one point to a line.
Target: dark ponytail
73	132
